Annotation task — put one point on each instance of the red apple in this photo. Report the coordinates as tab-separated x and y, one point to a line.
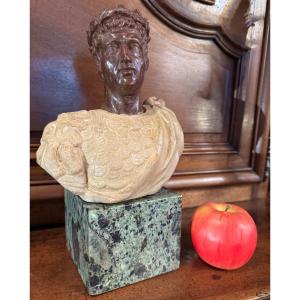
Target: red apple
224	235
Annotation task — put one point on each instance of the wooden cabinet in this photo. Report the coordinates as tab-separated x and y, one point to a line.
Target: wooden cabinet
209	60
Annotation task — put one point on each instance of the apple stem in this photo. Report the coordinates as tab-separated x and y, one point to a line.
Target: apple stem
227	207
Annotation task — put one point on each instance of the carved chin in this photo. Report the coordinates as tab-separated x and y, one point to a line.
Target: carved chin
127	82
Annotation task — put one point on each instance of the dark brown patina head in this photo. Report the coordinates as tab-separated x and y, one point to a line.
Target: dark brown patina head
118	39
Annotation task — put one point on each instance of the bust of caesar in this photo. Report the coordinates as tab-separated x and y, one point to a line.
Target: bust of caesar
126	149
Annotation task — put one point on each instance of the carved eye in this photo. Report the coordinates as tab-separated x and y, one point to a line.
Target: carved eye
112	48
135	47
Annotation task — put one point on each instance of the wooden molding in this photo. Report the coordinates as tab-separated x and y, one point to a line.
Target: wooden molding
208	2
186	26
262	117
212	179
46	192
208	148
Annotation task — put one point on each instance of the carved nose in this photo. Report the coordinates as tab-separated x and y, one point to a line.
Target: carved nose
125	53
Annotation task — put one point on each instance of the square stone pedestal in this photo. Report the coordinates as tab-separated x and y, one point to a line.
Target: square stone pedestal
114	245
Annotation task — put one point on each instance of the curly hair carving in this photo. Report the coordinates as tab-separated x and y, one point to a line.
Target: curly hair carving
115	20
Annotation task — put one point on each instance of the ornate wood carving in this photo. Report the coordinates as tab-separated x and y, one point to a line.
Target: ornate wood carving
169	13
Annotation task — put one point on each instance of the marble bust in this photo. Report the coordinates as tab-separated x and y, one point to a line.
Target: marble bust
126	149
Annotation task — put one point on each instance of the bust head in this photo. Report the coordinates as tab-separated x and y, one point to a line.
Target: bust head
118	39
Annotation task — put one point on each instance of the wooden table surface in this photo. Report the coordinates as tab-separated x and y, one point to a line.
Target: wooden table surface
54	276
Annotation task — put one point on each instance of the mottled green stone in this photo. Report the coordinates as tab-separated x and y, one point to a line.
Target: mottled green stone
114	245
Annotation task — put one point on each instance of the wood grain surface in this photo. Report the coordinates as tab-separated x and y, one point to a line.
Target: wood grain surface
54	276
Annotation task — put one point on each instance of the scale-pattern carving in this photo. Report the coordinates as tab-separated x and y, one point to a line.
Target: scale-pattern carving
106	157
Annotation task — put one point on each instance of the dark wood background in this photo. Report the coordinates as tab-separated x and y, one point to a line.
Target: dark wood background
209	62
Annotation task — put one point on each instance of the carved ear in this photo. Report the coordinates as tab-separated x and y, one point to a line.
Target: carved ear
98	60
99	66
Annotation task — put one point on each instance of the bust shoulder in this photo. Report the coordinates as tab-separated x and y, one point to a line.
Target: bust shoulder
154	101
76	119
67	128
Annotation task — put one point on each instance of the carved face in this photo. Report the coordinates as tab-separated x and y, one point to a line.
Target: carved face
123	62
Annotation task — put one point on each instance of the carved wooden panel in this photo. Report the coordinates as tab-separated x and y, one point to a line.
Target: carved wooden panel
206	61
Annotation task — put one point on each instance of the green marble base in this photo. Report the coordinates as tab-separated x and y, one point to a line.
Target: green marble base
114	245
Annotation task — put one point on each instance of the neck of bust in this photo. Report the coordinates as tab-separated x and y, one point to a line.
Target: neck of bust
115	103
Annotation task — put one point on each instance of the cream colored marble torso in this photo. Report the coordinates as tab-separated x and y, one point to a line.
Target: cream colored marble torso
108	158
